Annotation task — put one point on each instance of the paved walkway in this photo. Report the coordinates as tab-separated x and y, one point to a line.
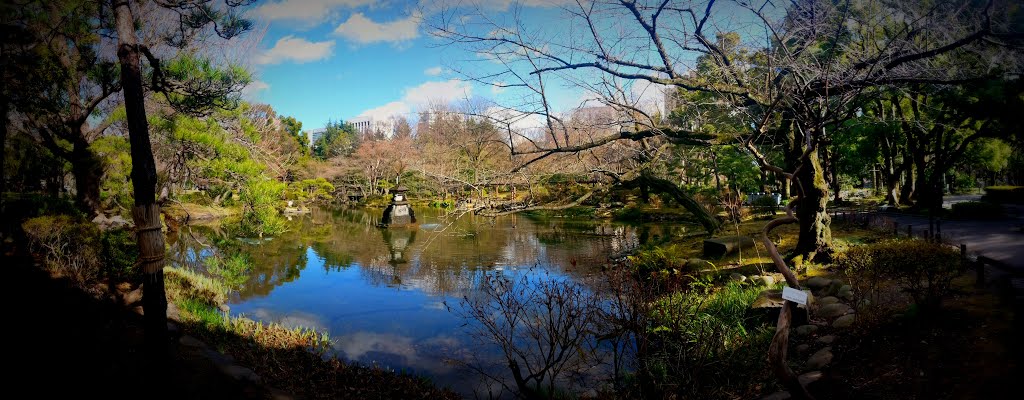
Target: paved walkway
1001	240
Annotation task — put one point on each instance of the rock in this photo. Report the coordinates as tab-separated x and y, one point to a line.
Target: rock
804	330
766	307
817	282
827	339
722	246
802	348
768	280
240	373
833	310
824	301
810	377
132	297
820	358
833	288
846	292
737	277
696	264
844	322
224	307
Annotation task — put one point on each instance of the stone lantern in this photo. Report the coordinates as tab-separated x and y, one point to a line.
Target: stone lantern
398	213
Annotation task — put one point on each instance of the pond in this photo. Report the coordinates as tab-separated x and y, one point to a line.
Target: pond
383	294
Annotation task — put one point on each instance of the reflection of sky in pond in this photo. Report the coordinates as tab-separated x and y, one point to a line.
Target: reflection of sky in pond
382	293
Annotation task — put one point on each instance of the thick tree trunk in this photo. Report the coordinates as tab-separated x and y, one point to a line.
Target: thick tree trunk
146	212
815	241
87	170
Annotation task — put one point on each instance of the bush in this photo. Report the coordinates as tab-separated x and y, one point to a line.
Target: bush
120	252
1004	194
764	205
310	190
69	245
233	270
260	199
977	210
923	270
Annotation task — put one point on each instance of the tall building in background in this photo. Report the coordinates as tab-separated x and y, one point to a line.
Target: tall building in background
371	126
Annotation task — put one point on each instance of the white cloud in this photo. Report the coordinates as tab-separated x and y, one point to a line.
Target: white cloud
387	110
299	50
498	87
434	71
446	91
362	30
420	96
304	10
254	88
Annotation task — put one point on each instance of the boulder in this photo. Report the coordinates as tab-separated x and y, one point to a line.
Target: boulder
725	245
844	322
827	339
802	347
833	310
833	288
820	358
767	280
767	305
737	277
827	300
817	282
804	330
846	292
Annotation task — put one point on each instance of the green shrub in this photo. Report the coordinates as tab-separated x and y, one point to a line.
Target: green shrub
69	245
1004	194
977	210
764	205
120	252
310	190
233	270
923	270
260	200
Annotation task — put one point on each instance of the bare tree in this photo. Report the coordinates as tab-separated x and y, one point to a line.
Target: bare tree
789	71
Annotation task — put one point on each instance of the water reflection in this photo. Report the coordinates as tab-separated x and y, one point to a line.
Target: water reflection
381	292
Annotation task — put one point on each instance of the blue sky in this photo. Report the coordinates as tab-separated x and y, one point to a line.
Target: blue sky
337	59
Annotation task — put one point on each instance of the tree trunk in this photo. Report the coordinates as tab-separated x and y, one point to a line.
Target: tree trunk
87	170
815	241
703	216
146	212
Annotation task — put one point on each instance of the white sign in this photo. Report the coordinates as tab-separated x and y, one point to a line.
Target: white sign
796	296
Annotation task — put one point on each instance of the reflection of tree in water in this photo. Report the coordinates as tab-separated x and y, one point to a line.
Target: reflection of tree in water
446	258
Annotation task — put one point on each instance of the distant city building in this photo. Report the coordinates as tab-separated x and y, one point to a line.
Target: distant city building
314	134
368	126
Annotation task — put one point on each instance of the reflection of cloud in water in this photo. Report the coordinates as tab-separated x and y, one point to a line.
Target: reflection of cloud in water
290	320
435	305
394	350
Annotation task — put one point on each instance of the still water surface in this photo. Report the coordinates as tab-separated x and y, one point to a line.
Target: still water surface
382	293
